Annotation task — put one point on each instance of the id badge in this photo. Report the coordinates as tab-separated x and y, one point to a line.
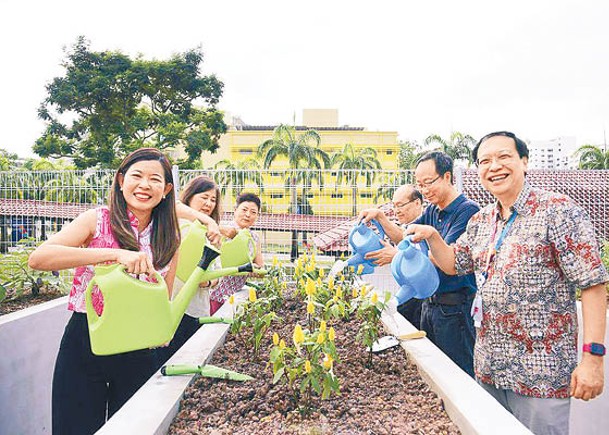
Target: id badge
476	310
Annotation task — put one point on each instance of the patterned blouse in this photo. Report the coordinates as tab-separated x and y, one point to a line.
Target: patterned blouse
229	285
104	238
528	339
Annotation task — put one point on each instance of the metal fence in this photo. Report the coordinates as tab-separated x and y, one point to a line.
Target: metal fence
298	205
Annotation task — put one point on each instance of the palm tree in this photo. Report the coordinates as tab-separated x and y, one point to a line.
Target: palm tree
352	163
458	146
409	154
301	151
237	175
592	157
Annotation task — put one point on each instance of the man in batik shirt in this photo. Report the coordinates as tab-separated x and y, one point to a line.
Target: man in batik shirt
534	249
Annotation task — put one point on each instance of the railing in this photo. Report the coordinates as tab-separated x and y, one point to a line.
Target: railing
297	204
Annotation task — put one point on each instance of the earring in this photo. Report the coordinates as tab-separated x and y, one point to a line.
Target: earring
164	197
121	189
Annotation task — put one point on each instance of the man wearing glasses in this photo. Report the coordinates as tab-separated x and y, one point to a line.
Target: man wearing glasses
534	249
407	206
445	316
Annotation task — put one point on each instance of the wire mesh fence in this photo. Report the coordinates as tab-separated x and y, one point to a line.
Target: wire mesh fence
301	209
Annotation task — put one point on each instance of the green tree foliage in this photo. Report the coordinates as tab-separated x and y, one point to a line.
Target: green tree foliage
8	160
459	146
107	105
301	151
592	157
408	155
353	163
238	175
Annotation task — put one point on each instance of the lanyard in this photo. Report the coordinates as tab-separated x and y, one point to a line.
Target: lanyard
492	250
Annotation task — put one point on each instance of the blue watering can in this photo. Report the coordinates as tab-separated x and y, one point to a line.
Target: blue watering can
414	271
364	240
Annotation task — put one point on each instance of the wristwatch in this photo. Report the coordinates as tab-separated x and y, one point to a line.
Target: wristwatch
594	348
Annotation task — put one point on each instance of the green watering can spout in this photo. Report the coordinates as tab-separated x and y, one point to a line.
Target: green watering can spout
138	314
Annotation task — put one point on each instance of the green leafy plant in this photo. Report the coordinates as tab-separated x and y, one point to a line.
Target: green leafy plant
16	277
369	312
254	315
307	366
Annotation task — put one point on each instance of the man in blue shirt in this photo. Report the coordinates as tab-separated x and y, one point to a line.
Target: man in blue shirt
445	316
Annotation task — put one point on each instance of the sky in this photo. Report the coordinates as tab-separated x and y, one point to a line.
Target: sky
537	68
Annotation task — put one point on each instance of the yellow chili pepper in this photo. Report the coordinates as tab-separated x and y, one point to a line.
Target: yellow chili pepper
231	300
252	295
298	336
322	326
310	287
275	339
328	362
360	269
374	298
308	366
331	334
310	308
321	338
281	344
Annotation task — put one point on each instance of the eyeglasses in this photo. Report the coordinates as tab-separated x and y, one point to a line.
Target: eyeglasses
501	159
427	184
399	206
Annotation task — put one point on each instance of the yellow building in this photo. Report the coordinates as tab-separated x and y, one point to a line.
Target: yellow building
241	142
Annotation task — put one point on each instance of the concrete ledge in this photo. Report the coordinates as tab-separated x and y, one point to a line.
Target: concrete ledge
471	408
152	409
29	342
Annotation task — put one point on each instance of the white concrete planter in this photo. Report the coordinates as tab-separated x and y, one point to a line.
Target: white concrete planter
29	340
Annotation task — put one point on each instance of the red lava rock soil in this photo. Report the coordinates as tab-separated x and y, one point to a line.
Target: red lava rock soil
387	398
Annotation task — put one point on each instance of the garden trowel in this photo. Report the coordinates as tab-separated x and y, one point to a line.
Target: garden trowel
207	370
208	319
389	341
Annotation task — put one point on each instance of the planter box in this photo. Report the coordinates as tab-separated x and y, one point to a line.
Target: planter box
29	340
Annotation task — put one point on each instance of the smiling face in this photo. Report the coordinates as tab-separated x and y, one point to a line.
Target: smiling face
405	208
436	188
501	169
204	202
246	214
143	186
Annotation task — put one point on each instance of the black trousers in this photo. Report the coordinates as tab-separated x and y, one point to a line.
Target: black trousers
88	388
188	326
411	310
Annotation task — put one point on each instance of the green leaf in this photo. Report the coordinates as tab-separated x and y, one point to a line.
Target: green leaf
278	375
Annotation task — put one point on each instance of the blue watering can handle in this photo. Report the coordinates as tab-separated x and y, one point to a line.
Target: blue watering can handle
380	228
422	244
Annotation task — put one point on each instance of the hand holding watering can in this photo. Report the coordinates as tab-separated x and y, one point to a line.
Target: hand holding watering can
364	240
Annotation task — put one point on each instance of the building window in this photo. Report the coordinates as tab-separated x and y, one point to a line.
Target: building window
389	152
367	195
310	195
275	174
336	195
276	195
246	151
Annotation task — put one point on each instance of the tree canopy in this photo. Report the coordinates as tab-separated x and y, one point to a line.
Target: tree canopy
107	105
592	157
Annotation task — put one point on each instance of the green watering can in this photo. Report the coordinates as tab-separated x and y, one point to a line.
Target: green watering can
138	314
233	252
207	370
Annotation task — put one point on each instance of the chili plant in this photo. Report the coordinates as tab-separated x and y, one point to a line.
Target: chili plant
255	315
369	313
308	366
